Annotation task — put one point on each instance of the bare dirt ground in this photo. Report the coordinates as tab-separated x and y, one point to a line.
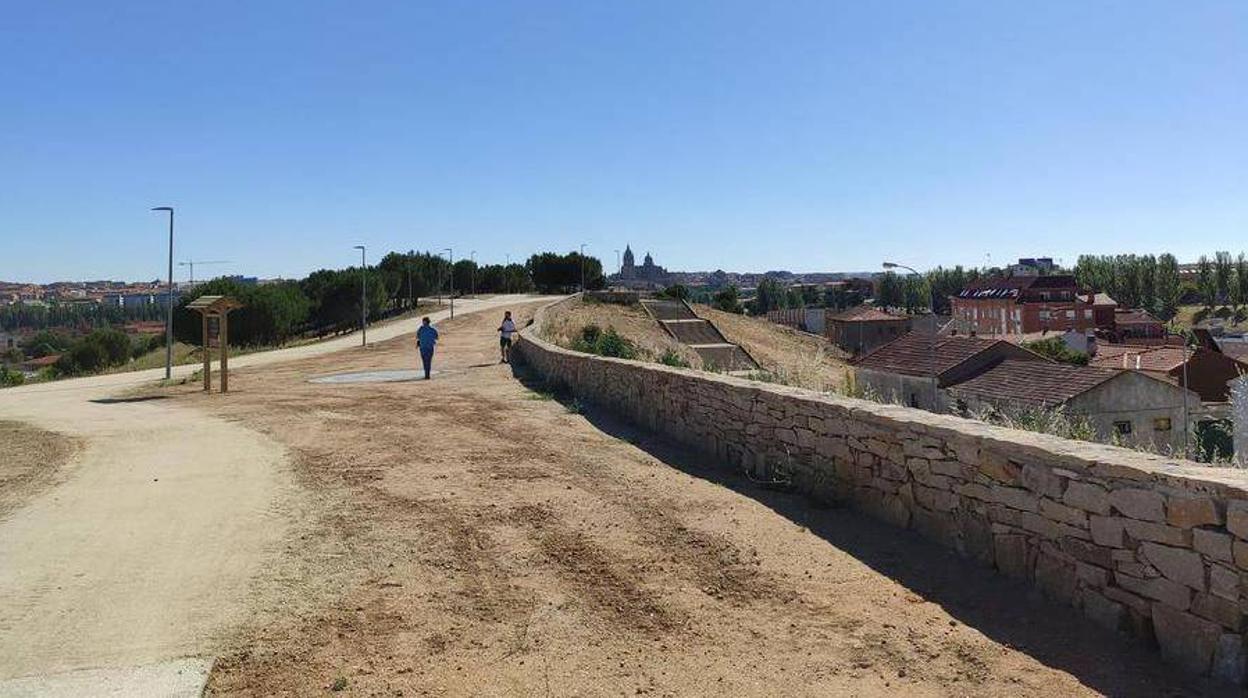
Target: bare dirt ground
466	536
566	320
792	357
30	461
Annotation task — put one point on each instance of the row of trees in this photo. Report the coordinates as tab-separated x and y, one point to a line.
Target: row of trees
80	315
1222	280
1135	281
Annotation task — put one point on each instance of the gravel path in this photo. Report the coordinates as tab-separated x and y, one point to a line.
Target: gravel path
153	541
471	536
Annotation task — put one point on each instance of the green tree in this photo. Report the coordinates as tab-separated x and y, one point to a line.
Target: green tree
771	295
889	290
1206	282
1054	348
1168	290
915	294
678	292
1223	269
10	378
1239	282
728	299
556	273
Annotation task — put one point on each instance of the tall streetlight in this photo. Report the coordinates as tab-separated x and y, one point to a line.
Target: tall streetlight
582	267
451	255
618	267
169	301
363	296
931	357
472	275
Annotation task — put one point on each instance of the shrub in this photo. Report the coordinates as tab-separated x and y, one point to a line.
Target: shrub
594	340
728	299
10	378
672	358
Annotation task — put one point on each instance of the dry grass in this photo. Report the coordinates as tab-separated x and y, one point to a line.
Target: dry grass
565	320
790	357
30	461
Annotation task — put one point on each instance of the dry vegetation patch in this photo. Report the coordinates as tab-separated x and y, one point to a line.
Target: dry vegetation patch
31	460
788	356
565	320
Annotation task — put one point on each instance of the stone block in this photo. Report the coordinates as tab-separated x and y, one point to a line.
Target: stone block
1230	659
1108	614
1219	610
976	539
1042	481
1063	513
1224	582
1013	555
1160	589
997	466
1186	639
1091	575
1106	530
974	491
1055	577
935	499
1158	533
1088	552
1038	524
934	526
1015	498
1237	518
892	471
1143	505
1213	544
1176	564
1187	511
947	468
1088	497
1126	598
1239	550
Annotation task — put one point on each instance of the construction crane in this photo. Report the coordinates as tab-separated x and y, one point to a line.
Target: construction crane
192	262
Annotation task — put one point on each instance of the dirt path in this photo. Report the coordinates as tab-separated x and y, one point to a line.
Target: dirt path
153	542
470	536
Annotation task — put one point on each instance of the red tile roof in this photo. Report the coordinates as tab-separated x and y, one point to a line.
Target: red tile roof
1038	383
1135	317
1151	358
911	354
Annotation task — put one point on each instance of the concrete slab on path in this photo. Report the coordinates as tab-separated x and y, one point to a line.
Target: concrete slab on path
179	678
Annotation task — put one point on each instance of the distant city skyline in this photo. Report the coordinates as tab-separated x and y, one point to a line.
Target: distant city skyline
808	136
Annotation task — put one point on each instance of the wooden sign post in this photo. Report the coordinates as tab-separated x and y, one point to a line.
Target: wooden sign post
218	308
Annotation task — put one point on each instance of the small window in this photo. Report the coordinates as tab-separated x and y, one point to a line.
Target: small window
914	399
1161	424
1122	428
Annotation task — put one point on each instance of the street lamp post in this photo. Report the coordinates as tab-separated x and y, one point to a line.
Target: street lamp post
472	275
618	267
169	301
931	357
363	297
451	254
582	267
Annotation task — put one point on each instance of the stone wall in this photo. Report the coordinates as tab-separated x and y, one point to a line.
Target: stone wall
1146	546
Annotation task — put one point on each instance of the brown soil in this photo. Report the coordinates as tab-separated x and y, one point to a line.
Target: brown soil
31	460
471	537
565	320
794	358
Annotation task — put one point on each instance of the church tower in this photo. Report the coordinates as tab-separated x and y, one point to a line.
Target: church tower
627	270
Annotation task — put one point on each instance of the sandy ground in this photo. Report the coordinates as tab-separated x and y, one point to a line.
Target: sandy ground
468	536
158	538
33	460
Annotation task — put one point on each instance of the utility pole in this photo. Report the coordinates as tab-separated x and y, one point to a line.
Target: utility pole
169	301
582	267
472	283
363	297
618	267
451	255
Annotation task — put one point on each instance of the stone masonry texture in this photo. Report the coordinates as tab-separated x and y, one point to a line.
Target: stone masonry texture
1150	547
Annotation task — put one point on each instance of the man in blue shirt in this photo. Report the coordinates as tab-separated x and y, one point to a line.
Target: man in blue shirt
426	338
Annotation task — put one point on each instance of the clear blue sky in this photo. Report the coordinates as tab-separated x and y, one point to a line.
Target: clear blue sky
722	134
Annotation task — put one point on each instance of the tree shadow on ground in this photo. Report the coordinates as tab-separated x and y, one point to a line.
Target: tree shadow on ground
1008	611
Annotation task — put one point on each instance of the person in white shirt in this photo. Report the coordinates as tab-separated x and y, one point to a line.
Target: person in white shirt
505	331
